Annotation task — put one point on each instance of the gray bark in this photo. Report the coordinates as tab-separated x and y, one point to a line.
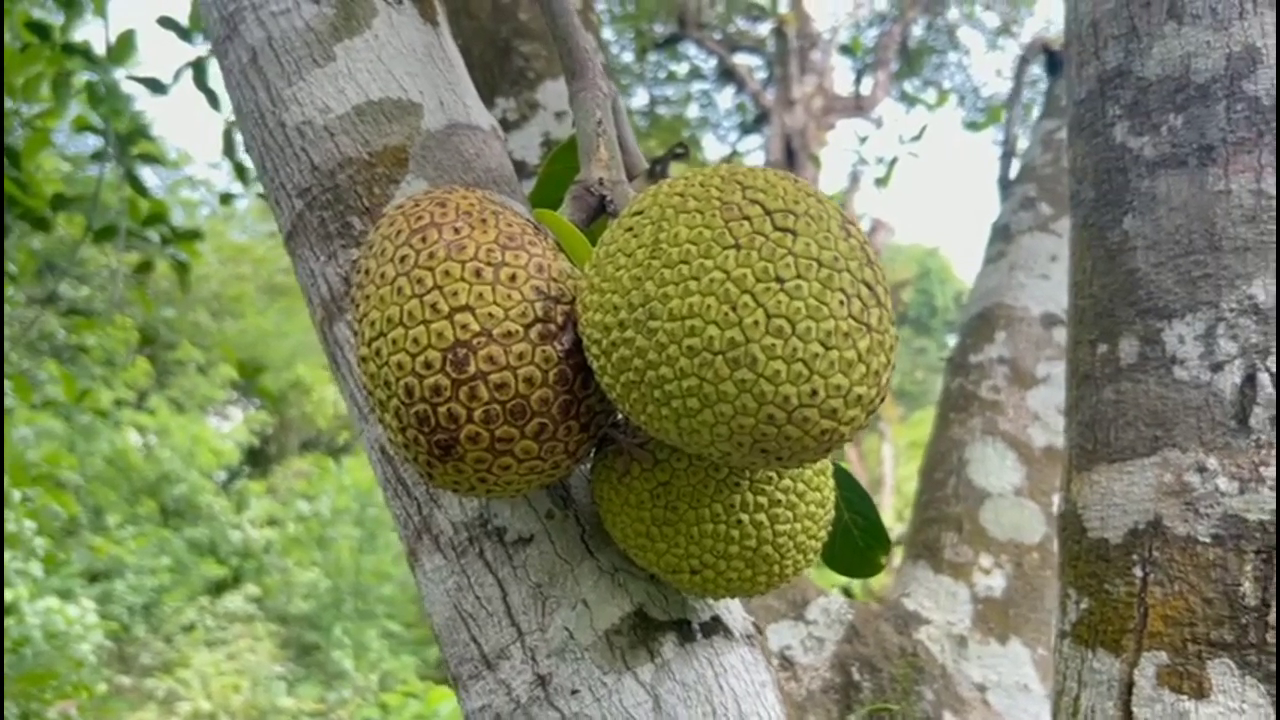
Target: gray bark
1168	528
515	69
345	107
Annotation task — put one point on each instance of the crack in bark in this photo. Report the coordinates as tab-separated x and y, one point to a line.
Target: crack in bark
1142	615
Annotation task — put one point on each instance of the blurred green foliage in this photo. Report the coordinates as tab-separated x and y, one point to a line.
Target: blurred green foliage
191	528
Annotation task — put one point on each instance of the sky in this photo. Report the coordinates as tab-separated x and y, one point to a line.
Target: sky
942	195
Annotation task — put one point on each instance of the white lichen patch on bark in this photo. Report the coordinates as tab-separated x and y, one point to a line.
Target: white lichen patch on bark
989	578
1010	518
816	635
1192	493
1046	401
530	133
1032	273
993	466
1207	347
1233	695
387	60
1003	674
1092	678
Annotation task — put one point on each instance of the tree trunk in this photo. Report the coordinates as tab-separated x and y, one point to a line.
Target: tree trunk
537	615
1169	522
967	630
515	68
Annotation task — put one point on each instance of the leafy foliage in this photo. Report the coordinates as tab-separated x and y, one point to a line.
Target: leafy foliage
191	530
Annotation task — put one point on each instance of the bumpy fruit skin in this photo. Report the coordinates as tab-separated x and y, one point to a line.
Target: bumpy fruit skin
709	530
739	314
467	345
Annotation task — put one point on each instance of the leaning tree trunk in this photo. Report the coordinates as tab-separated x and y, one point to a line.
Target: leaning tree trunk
967	630
1168	528
537	616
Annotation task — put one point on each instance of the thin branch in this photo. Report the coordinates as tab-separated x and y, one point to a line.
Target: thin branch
1013	115
601	187
743	78
633	159
884	60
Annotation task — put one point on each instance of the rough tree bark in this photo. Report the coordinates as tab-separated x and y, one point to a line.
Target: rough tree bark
1168	528
516	71
344	107
966	632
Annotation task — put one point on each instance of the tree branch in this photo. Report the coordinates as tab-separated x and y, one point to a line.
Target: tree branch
883	64
1013	114
633	159
602	186
743	78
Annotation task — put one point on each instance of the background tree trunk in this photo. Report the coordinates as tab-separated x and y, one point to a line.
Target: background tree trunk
967	630
1169	523
536	614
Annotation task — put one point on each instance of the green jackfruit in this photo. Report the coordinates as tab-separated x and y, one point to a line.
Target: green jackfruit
465	342
709	530
739	314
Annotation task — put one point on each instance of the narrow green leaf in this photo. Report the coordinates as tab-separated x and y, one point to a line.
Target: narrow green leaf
557	173
123	48
858	546
180	31
62	88
40	30
153	84
572	241
106	233
200	76
195	21
597	229
230	150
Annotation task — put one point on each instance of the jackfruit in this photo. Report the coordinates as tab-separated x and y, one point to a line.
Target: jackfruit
739	314
466	343
709	530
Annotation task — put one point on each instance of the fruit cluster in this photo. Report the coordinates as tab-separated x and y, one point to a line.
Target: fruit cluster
731	330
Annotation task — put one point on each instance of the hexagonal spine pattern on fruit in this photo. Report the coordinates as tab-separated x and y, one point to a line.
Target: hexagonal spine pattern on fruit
740	314
710	530
467	345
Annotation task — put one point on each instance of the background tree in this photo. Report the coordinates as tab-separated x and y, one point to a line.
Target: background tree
1169	520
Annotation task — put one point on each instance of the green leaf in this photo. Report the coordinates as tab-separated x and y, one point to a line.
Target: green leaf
40	30
597	229
858	546
195	21
887	177
555	176
574	244
123	48
200	76
153	84
182	32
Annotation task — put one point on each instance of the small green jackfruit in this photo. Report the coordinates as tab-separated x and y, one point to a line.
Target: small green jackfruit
466	343
739	314
709	530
